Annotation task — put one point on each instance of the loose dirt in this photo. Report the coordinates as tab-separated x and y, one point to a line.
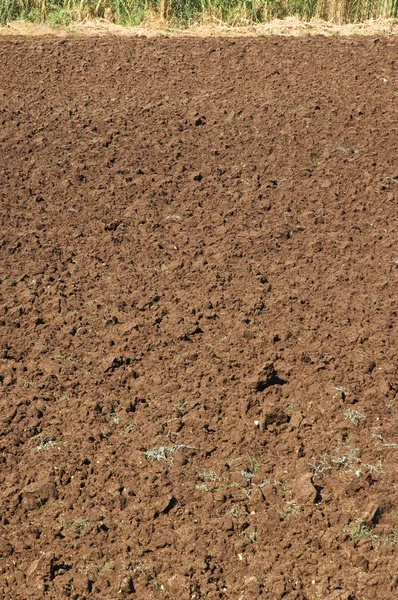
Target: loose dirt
199	269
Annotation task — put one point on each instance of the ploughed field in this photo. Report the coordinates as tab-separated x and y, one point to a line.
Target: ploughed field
199	269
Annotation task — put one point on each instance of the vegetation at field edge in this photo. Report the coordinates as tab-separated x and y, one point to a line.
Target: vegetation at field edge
183	13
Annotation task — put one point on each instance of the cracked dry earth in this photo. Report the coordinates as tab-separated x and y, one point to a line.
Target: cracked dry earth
199	268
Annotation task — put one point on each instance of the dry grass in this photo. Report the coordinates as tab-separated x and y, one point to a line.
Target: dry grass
290	26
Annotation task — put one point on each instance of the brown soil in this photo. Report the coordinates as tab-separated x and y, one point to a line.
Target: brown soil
199	270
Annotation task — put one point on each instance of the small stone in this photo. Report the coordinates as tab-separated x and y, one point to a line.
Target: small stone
127	586
326	183
303	490
384	387
370	515
39	568
32	569
36	494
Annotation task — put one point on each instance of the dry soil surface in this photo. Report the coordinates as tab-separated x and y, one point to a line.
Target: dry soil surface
199	269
